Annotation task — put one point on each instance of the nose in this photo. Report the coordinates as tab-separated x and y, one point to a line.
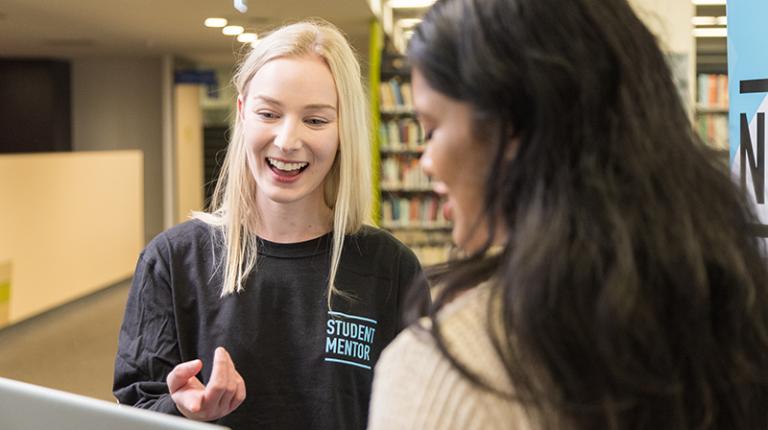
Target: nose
288	135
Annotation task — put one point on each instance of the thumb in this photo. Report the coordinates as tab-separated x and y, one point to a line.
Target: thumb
182	373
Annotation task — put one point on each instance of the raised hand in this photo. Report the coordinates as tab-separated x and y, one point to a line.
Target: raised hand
223	394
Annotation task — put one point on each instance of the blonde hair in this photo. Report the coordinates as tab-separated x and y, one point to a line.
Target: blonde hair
347	185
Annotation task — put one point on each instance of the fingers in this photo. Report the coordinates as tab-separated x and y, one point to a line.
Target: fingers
226	388
220	383
182	373
224	392
186	390
239	394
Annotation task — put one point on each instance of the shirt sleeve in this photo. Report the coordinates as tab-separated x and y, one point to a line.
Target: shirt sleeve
147	347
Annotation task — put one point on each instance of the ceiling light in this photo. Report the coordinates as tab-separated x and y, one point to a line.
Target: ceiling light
410	4
709	2
247	37
710	32
215	22
232	30
241	6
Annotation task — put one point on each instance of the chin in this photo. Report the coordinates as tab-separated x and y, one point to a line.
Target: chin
281	196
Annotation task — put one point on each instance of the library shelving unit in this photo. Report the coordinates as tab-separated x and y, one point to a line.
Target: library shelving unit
406	204
712	109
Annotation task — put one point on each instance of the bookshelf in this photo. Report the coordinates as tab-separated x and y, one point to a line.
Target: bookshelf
711	84
406	204
712	109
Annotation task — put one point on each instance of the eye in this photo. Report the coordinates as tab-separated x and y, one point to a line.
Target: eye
266	114
428	135
316	121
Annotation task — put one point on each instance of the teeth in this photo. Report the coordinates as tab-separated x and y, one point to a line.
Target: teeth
286	166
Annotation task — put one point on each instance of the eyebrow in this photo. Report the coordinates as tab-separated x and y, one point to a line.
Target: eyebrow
270	100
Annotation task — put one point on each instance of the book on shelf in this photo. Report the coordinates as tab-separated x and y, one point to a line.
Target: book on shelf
712	109
401	134
403	172
396	96
423	211
713	129
712	92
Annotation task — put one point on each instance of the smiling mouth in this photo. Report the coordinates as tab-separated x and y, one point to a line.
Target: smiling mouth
286	168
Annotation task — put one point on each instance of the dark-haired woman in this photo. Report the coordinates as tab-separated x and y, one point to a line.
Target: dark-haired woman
610	278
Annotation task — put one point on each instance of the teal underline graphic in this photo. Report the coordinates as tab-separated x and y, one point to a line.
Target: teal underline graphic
336	360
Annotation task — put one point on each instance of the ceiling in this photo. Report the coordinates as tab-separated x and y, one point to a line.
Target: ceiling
119	28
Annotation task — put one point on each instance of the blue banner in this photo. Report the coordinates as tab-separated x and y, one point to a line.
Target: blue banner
748	89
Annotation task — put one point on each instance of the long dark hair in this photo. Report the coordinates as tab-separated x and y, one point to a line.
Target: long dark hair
631	291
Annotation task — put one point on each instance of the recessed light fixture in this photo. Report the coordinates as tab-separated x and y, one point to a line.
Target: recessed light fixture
247	37
241	6
215	22
710	32
232	30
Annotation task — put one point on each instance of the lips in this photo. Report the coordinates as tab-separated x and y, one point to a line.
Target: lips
285	170
448	210
442	190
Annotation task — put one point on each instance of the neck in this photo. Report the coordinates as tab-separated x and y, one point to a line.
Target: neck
293	222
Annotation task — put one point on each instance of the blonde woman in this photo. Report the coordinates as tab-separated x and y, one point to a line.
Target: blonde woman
271	310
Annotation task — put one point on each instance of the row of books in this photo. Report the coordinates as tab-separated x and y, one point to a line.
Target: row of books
404	133
417	211
713	129
712	91
403	172
396	95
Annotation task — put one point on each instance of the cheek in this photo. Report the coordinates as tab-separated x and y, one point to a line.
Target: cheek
328	145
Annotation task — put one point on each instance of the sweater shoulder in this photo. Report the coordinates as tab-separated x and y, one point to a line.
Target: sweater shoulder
416	385
412	367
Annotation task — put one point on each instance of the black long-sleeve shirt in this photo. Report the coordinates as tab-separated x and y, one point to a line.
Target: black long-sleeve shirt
304	366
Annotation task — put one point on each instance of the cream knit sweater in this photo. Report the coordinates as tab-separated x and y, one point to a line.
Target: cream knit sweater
416	387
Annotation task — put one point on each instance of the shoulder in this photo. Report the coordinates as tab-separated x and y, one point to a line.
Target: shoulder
374	240
188	236
380	252
464	326
376	236
413	369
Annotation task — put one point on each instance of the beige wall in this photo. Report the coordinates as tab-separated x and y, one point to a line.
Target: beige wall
117	105
670	22
189	150
70	224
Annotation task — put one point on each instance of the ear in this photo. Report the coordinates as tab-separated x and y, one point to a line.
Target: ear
240	104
